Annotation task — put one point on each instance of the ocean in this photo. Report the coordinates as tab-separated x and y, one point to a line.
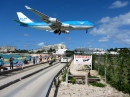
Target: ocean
17	57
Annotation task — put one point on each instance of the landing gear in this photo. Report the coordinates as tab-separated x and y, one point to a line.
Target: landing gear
57	31
86	31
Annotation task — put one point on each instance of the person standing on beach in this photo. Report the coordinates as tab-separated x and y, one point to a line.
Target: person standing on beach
33	60
1	63
37	60
40	58
30	58
11	62
23	58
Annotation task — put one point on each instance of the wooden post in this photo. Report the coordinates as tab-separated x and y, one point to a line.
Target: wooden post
67	77
91	62
98	64
105	69
86	79
105	74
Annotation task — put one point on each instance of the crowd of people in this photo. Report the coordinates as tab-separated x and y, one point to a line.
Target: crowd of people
12	63
34	59
37	59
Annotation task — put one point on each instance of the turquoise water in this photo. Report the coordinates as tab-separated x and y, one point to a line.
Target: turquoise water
17	57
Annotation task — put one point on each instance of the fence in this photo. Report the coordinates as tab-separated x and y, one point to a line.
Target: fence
57	78
84	78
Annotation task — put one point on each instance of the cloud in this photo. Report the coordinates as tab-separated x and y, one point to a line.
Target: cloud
41	44
66	38
104	39
118	4
26	45
116	28
69	39
124	38
62	43
26	35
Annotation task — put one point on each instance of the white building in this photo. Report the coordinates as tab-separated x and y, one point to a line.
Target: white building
55	46
113	53
60	52
100	52
7	48
89	50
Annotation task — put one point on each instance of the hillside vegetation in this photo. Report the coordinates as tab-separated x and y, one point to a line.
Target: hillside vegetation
117	69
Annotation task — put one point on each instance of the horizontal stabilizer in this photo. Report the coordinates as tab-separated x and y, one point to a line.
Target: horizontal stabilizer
21	23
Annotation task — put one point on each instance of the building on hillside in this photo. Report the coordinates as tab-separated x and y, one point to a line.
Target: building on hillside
36	50
97	51
55	46
59	46
88	50
60	52
7	48
46	48
100	52
113	53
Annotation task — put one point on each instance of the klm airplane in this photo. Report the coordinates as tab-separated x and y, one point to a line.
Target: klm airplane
52	24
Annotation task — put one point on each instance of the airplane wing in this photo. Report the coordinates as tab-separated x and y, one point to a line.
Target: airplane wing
55	24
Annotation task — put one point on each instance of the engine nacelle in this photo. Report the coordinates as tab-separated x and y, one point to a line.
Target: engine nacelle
52	20
65	25
66	31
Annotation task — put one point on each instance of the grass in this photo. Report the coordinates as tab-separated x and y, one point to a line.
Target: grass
70	78
97	84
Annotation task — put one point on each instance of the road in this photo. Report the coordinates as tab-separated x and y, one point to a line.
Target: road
34	86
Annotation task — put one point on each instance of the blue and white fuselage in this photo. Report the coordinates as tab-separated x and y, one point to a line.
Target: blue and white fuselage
76	25
52	24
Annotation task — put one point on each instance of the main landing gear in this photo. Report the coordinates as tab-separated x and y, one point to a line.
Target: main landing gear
57	31
86	31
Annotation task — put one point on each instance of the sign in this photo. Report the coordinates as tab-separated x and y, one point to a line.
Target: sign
19	64
81	60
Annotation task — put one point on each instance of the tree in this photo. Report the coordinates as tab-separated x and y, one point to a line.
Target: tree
50	50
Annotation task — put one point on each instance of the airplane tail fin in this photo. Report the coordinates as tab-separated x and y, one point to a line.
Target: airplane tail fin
23	18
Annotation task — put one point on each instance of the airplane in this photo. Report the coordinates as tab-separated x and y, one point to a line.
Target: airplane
52	24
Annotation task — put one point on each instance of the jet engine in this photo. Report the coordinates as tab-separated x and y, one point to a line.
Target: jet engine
66	31
52	20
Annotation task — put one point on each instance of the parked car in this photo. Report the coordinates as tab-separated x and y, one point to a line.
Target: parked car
64	60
